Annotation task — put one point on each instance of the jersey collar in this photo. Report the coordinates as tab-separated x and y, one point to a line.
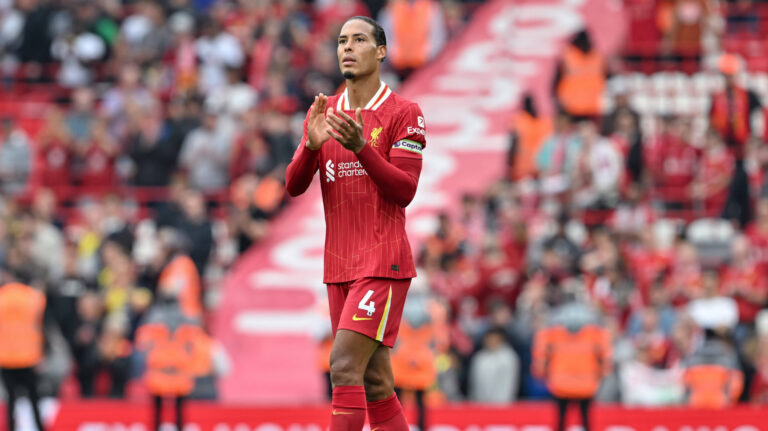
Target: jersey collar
377	100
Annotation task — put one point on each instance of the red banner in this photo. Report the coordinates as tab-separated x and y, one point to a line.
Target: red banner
120	416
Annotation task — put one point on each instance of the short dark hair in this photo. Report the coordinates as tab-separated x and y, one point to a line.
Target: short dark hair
378	32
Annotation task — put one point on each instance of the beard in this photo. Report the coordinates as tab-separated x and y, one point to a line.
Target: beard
349	75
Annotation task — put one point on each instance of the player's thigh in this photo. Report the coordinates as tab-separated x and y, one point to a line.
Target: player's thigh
337	296
350	355
374	307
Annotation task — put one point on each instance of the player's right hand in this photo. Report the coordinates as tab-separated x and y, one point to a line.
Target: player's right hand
317	128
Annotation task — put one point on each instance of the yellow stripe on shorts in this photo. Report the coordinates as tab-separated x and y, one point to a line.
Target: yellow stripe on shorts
383	324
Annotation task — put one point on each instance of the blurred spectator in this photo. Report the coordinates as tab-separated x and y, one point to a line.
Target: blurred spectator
528	130
98	170
684	281
153	148
711	309
622	126
611	121
123	102
217	50
651	338
416	32
144	37
114	351
580	79
206	153
81	115
672	162
35	49
731	114
644	384
89	313
232	99
600	170
714	175
757	233
196	227
54	152
634	215
64	297
15	158
561	253
251	152
557	159
744	281
77	49
494	370
685	23
47	241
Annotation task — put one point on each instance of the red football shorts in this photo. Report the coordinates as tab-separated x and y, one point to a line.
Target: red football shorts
369	306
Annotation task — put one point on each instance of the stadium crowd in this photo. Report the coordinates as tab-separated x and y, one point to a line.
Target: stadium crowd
143	142
651	223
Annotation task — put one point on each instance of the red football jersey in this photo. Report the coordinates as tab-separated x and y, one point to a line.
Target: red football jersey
748	276
364	232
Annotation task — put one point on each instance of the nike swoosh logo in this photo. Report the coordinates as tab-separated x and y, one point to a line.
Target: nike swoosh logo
355	318
336	413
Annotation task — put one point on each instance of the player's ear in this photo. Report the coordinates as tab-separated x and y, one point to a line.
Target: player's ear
381	53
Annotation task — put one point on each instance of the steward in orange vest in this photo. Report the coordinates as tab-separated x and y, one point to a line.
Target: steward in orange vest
416	30
177	351
21	343
572	356
712	376
528	133
413	358
580	78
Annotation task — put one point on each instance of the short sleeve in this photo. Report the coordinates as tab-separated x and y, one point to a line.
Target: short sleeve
410	139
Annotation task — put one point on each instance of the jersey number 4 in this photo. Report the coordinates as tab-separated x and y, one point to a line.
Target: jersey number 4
368	307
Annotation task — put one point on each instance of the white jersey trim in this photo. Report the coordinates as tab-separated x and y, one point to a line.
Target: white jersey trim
373	104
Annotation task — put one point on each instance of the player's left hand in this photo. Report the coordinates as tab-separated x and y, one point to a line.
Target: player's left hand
346	130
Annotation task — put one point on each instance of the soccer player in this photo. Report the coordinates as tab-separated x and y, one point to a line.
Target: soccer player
367	144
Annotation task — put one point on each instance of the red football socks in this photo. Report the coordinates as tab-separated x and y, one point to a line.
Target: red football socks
387	415
348	408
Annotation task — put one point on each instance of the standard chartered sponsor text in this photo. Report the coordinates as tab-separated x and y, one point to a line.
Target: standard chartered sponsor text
350	169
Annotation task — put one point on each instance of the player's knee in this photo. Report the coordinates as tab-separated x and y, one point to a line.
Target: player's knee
378	385
344	371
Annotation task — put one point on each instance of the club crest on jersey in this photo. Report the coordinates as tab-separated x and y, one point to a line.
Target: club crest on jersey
375	136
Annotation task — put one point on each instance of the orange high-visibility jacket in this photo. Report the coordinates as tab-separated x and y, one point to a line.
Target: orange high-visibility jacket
21	326
573	364
581	87
174	358
712	385
412	21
